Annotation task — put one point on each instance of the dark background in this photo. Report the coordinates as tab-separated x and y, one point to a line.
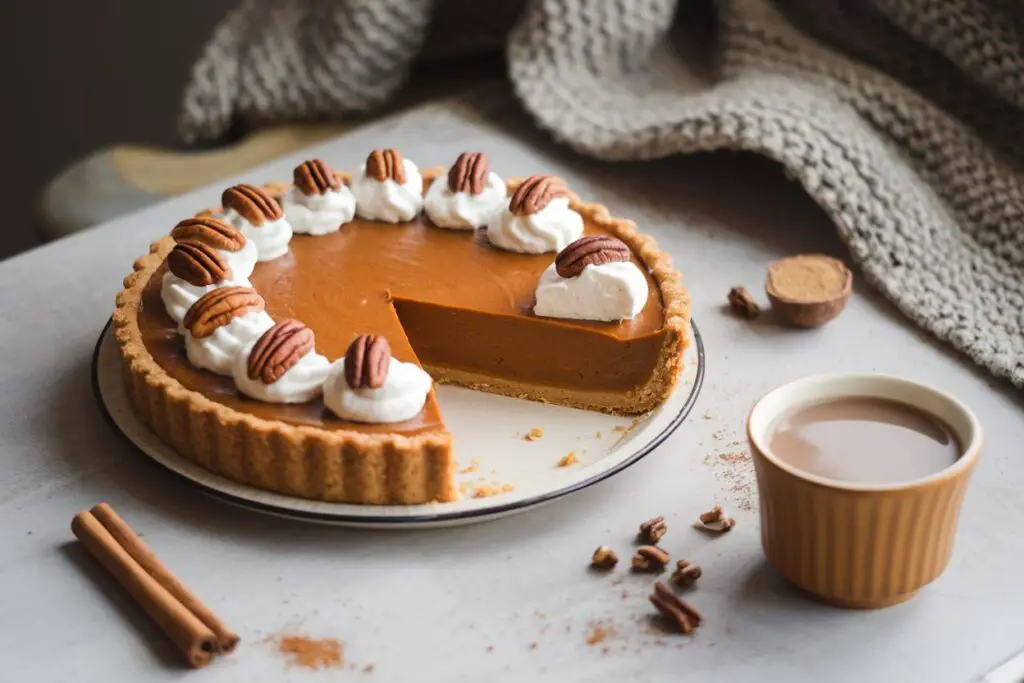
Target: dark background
79	75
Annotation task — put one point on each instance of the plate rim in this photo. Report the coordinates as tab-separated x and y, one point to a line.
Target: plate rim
419	518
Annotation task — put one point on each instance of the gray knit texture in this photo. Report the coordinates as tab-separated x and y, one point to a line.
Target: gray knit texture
903	119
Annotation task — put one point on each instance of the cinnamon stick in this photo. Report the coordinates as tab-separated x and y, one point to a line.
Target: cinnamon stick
193	628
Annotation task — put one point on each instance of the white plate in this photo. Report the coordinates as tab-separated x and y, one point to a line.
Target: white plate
488	431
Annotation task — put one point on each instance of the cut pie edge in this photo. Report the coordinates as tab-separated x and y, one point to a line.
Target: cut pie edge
341	465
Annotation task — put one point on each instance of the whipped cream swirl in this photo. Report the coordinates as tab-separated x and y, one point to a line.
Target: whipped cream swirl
271	238
318	214
386	200
608	292
300	383
241	262
463	210
178	295
551	229
401	397
217	351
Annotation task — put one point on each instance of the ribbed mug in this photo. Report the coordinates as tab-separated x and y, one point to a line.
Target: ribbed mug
851	544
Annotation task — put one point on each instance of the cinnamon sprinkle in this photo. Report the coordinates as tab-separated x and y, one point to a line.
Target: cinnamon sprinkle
735	469
325	653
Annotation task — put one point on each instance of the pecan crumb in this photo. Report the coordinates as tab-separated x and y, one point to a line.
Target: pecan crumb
569	460
686	573
652	530
650	558
534	434
715	520
604	558
681	613
742	303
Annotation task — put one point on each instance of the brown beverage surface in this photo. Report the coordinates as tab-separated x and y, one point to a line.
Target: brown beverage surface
864	440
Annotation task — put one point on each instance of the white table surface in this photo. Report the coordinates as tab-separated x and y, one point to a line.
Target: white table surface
470	603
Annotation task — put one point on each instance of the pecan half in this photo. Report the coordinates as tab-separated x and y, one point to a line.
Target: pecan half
650	558
367	362
652	530
386	164
686	573
742	303
592	250
469	174
535	193
604	558
216	233
219	307
252	203
197	263
280	348
715	520
681	613
314	177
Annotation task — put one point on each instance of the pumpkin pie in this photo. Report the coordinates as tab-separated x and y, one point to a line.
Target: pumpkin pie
442	292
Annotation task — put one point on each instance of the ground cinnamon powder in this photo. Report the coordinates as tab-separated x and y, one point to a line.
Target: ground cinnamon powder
325	653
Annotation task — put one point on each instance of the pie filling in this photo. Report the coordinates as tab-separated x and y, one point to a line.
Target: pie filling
463	305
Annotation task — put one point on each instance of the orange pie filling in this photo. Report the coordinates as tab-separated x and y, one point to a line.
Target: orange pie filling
445	299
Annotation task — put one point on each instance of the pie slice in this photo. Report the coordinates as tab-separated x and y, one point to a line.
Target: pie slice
446	300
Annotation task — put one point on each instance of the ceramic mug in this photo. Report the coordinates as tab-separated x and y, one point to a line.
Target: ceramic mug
859	545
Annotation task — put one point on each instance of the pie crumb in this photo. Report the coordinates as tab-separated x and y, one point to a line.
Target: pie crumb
488	490
598	434
597	634
534	434
620	428
474	465
569	460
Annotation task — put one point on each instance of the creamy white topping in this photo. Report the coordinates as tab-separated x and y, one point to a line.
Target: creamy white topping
611	291
401	398
551	229
179	295
302	382
217	351
388	201
462	210
271	238
318	214
241	262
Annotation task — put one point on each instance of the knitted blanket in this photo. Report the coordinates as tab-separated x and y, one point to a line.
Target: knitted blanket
903	119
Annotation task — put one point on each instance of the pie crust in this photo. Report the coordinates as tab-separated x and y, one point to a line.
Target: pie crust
346	465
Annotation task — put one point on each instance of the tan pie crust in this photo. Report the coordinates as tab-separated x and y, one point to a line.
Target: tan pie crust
351	466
